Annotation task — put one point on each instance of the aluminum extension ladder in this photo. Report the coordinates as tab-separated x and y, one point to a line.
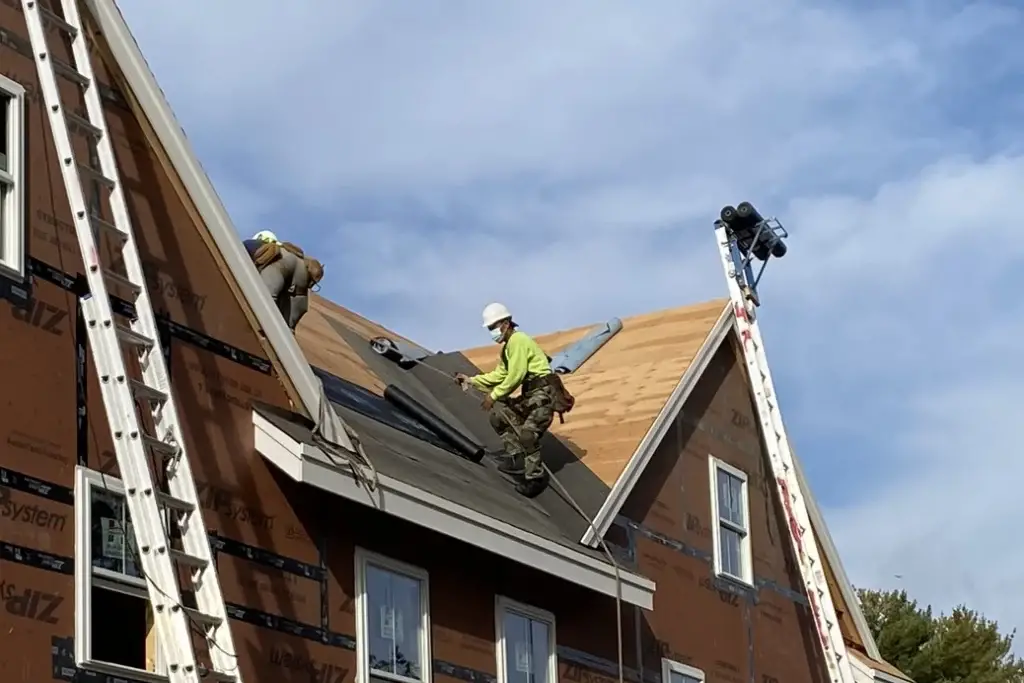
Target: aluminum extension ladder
148	506
805	548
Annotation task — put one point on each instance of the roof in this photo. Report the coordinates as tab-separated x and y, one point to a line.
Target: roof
621	390
324	347
346	336
641	359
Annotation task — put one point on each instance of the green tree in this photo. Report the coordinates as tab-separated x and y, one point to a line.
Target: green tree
961	647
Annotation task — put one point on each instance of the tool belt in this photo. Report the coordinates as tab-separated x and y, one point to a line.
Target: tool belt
562	400
271	251
266	254
533	382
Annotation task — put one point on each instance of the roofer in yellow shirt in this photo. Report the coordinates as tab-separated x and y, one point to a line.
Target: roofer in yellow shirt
520	420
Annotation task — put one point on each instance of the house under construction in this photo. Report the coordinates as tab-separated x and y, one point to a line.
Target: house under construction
188	491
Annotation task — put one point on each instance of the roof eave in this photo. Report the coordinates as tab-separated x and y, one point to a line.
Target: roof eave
309	465
662	423
171	137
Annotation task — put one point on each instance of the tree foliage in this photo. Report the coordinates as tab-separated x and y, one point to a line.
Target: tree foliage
960	647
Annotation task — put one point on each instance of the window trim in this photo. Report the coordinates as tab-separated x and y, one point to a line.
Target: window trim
747	561
670	666
87	576
503	605
15	240
364	557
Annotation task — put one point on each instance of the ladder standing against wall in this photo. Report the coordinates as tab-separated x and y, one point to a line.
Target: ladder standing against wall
109	340
738	242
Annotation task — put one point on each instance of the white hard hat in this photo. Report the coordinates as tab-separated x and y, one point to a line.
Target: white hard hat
495	313
265	236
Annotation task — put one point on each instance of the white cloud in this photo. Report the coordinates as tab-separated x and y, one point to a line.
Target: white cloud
568	159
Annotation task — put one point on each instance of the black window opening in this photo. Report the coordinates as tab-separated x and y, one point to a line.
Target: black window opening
369	404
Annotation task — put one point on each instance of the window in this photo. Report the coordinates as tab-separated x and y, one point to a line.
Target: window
674	672
392	620
731	511
12	175
112	614
525	644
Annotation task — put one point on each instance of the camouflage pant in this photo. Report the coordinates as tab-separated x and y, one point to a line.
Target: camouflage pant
530	416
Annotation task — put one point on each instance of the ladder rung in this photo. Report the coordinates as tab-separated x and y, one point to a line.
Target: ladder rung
57	22
175	617
202	618
69	71
122	281
172	503
162	447
216	676
181	557
97	176
147	393
130	336
83	123
99	224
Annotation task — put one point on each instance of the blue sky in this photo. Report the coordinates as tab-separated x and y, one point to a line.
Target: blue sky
568	159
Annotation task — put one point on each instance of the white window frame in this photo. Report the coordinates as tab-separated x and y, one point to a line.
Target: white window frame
747	578
87	576
503	605
12	251
364	557
670	666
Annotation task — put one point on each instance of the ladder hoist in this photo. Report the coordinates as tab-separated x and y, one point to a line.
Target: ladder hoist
161	559
743	237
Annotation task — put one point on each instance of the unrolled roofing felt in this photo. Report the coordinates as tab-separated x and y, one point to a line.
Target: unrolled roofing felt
479	487
390	373
462	411
572	357
587	490
398	350
466	447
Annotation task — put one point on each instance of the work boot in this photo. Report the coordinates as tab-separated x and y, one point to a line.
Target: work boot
511	464
531	488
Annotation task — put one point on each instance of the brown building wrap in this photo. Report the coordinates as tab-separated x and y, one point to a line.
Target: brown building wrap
285	553
731	632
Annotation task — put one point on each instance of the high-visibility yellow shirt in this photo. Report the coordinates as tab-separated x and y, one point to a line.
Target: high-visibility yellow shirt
521	356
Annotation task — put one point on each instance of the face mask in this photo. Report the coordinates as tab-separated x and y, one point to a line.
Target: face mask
496	334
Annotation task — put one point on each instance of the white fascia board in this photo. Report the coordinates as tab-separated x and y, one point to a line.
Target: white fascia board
171	136
865	672
883	677
309	465
649	444
862	671
831	553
